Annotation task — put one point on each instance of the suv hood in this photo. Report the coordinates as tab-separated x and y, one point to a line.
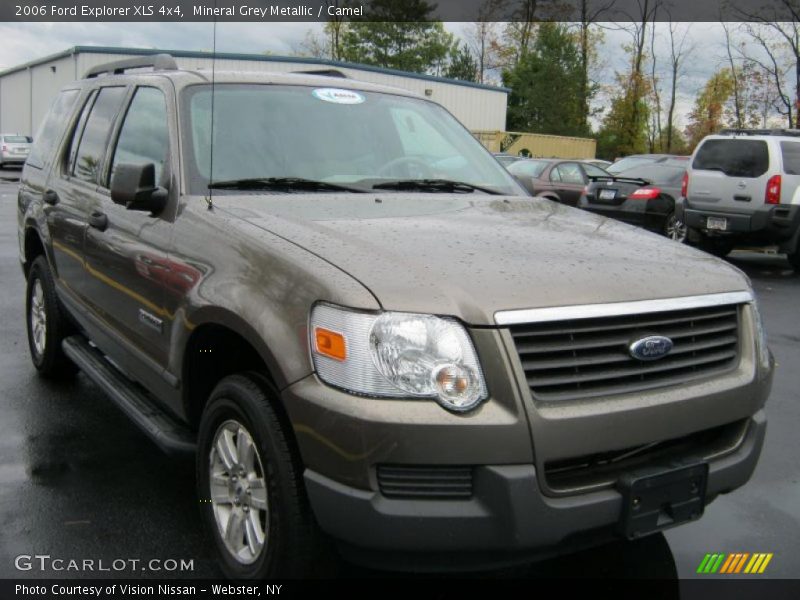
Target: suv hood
471	257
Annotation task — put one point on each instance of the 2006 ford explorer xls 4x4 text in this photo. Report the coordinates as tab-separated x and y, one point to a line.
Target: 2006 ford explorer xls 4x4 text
368	332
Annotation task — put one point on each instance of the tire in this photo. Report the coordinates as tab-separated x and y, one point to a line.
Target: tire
675	229
47	324
716	246
240	416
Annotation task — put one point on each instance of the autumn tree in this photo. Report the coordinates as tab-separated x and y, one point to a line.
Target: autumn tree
708	114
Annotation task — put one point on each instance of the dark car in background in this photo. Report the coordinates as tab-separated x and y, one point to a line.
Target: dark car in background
648	196
639	160
555	179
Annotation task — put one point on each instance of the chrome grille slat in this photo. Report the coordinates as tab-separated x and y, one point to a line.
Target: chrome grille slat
586	358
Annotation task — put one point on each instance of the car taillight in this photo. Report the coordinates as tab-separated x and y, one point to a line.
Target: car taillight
685	185
645	194
773	190
5	148
586	190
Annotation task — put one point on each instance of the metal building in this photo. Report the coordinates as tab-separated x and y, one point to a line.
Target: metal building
27	90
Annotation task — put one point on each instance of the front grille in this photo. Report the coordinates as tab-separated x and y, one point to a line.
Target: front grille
425	482
587	473
586	358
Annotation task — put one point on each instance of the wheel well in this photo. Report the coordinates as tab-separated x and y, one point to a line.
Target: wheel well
33	248
214	352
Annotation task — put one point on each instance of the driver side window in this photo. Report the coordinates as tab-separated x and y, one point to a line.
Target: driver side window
144	137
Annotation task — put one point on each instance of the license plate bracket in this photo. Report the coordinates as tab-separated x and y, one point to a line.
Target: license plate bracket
659	498
607	194
717	223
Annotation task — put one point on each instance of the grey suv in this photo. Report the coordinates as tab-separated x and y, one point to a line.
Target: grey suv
366	331
740	190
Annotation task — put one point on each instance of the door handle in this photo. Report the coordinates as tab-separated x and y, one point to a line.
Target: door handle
741	198
50	197
98	220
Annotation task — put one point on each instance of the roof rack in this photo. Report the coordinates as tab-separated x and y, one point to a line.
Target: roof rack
784	132
159	62
324	72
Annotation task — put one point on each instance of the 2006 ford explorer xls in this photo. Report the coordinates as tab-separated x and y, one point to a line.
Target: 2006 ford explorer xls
368	333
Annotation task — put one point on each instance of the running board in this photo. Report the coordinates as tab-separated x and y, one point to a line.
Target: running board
168	434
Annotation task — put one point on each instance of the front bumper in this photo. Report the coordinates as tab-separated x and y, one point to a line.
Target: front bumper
507	512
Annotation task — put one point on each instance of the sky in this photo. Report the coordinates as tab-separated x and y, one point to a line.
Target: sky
23	42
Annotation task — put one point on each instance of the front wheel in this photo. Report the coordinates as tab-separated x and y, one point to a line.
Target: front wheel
250	484
47	323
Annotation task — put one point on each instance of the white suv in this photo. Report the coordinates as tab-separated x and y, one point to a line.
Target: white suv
740	189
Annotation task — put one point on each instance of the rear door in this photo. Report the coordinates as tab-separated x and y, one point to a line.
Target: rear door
568	180
730	173
72	190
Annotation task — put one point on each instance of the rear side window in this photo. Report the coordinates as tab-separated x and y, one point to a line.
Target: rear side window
568	173
791	157
144	137
15	139
52	128
735	157
88	161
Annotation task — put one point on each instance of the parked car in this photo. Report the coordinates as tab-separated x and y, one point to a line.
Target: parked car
507	159
648	196
14	149
638	160
602	164
386	343
740	189
555	179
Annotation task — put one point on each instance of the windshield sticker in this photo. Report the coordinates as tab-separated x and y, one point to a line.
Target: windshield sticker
338	96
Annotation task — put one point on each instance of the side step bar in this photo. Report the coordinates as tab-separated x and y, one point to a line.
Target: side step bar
169	434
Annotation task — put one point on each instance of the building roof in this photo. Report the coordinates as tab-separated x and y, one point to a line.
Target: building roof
302	60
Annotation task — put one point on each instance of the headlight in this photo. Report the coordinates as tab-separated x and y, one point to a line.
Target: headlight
398	355
761	337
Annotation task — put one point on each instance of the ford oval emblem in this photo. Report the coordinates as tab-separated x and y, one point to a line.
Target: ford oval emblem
651	347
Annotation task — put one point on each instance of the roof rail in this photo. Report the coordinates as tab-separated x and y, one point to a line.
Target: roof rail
784	132
159	62
324	72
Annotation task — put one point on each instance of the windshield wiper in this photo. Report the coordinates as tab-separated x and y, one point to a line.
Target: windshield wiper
289	183
433	185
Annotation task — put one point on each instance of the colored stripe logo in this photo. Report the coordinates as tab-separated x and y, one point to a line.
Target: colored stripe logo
736	563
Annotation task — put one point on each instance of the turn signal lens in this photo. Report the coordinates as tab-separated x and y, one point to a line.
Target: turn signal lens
330	343
685	185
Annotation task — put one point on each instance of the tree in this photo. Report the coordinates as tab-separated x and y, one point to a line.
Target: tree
462	64
397	34
708	114
590	13
546	83
678	54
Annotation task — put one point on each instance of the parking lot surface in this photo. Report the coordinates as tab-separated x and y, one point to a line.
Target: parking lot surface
78	480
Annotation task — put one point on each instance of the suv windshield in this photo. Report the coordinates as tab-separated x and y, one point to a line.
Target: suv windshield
347	137
734	157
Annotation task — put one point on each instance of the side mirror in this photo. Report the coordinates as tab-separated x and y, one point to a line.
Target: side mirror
134	187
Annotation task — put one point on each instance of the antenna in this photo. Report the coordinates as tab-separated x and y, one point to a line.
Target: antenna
210	198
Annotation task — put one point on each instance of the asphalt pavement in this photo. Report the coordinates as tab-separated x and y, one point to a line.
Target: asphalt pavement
79	481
